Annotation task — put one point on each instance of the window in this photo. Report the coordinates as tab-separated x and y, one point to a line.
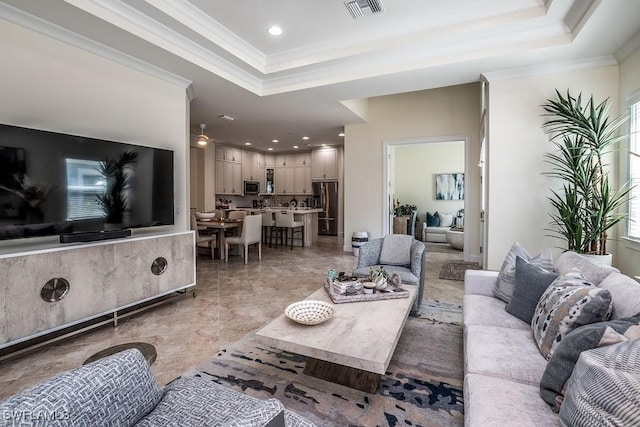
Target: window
633	226
84	184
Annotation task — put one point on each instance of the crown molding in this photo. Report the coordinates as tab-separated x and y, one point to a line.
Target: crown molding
133	21
628	48
199	22
536	70
33	23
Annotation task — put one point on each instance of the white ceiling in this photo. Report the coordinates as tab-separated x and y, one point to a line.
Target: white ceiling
293	85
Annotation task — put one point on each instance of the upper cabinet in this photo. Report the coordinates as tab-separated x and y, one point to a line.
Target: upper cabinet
251	165
324	164
229	154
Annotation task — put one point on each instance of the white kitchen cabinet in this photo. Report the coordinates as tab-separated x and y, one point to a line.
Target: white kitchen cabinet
250	166
220	177
279	178
324	164
232	154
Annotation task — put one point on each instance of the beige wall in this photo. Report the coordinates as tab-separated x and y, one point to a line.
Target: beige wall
415	169
518	208
49	85
429	114
627	252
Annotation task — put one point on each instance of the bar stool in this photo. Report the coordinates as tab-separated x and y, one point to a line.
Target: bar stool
285	221
267	225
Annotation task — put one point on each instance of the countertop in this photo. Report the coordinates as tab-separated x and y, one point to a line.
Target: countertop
296	210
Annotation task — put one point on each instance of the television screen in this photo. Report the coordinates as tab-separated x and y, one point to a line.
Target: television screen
52	183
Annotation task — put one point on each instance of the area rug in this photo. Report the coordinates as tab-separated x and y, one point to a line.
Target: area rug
455	270
440	312
422	386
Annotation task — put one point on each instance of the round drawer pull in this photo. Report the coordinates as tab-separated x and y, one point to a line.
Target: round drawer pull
159	266
55	289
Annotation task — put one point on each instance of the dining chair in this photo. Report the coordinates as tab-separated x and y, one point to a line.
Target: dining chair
251	233
235	215
267	223
202	239
285	221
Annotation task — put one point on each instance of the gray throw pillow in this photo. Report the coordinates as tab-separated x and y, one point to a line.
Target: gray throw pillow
604	387
569	302
396	250
507	276
531	282
584	338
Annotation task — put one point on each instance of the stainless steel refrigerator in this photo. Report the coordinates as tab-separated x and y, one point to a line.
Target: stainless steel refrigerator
325	195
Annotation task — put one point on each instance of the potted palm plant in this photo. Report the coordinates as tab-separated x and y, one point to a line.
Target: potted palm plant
117	176
587	206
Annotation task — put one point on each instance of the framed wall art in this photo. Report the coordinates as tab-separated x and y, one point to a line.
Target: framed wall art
450	186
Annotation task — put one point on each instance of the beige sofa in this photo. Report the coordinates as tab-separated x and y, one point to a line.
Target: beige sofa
502	364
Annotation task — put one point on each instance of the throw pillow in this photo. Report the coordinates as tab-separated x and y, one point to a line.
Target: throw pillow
396	250
531	282
446	219
570	302
587	337
507	276
625	293
433	220
593	271
604	387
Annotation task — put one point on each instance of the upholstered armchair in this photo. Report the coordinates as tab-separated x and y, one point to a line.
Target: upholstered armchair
411	267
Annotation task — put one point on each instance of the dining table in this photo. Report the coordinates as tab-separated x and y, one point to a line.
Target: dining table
220	225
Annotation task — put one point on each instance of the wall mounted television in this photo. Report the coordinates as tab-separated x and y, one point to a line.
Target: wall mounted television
59	184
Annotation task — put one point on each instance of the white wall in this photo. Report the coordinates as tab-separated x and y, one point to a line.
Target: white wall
415	169
518	209
626	253
49	85
443	112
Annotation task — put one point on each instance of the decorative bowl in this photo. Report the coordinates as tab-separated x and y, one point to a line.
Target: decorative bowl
309	312
205	215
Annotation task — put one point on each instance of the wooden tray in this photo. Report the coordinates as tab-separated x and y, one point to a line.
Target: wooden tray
361	296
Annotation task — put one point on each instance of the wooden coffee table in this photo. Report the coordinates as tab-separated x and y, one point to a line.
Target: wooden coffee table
353	348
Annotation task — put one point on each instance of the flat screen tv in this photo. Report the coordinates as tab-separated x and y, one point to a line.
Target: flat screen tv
58	184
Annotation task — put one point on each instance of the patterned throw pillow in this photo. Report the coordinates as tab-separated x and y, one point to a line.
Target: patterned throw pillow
587	337
433	220
570	302
604	387
507	276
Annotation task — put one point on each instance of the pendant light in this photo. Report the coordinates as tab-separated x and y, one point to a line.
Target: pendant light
202	138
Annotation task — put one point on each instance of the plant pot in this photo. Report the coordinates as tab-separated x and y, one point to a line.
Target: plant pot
601	259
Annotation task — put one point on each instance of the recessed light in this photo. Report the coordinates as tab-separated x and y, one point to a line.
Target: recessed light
247	143
341	134
275	141
323	145
275	30
305	138
270	149
295	146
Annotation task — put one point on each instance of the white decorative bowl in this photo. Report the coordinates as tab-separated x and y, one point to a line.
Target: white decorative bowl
205	215
309	312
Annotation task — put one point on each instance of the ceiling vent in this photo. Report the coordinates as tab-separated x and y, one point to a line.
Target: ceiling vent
361	8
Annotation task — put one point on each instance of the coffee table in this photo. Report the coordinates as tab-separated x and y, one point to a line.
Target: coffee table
353	348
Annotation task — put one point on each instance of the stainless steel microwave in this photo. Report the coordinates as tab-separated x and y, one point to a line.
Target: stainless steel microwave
251	187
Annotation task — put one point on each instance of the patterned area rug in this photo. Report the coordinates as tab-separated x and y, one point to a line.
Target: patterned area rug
455	270
422	386
440	312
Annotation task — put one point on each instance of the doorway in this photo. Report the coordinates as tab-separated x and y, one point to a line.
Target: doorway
410	173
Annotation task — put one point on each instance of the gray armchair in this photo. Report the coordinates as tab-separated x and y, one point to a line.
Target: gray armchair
413	274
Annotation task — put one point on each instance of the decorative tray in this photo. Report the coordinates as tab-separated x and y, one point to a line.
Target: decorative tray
359	296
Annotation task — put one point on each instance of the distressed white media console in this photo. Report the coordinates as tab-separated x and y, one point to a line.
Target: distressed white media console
53	286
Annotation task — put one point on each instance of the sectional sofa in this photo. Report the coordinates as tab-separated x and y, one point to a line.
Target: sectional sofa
503	365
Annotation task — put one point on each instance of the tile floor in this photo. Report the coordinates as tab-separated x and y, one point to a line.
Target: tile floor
231	300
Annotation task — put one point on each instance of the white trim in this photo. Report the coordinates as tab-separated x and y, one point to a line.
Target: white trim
628	48
386	144
536	70
33	23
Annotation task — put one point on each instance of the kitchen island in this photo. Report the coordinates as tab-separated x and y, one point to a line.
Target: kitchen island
308	215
